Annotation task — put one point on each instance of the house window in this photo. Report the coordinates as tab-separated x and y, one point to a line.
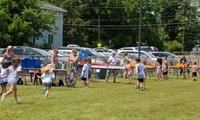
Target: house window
50	38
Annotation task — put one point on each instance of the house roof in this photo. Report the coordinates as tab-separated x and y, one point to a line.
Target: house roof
52	7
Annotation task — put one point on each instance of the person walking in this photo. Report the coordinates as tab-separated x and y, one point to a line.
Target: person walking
112	61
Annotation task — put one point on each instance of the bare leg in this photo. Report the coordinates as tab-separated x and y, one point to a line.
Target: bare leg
114	76
15	92
47	92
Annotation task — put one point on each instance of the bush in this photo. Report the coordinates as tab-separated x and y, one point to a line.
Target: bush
172	46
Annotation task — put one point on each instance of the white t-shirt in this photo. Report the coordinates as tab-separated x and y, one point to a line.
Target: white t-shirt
113	61
47	78
13	76
3	74
85	70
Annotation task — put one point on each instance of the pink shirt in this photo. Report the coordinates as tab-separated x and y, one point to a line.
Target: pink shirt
194	68
158	70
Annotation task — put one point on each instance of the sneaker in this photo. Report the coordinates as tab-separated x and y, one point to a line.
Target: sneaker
3	97
17	101
142	88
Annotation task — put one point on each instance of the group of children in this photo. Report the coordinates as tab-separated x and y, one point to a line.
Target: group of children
162	69
140	71
185	67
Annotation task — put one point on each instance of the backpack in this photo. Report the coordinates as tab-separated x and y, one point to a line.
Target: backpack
60	83
20	81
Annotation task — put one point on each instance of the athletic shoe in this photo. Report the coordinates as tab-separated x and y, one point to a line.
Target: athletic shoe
142	88
17	101
3	97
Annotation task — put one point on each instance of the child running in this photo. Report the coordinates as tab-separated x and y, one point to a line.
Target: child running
140	73
85	73
13	77
129	71
158	70
3	78
194	71
48	77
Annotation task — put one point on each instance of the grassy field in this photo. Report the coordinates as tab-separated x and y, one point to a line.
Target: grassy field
175	99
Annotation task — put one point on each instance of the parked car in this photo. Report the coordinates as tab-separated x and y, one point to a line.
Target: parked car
147	48
127	48
73	45
144	54
23	51
170	56
65	53
96	57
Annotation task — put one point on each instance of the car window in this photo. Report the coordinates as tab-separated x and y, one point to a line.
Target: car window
18	51
42	52
29	51
94	53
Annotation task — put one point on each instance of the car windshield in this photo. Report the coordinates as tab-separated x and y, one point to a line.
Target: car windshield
42	52
150	55
95	53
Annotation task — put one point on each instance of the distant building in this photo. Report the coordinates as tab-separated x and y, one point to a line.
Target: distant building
55	39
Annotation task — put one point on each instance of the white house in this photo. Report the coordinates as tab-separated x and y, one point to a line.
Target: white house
55	39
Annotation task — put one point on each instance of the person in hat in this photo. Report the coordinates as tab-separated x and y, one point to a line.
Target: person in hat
112	61
4	75
13	78
48	77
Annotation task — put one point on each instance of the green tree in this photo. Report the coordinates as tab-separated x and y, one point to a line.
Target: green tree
21	20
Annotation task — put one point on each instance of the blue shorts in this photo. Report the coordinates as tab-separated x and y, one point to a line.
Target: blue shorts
3	84
48	84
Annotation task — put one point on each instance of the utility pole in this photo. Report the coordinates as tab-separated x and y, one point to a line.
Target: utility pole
183	40
99	34
140	25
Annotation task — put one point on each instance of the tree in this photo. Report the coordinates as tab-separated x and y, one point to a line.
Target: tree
21	20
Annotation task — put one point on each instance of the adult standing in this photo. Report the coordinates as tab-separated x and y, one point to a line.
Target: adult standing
73	59
125	58
55	63
54	59
72	66
8	56
181	61
112	61
160	60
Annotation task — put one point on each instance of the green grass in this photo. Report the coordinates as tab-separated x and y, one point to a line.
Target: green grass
175	99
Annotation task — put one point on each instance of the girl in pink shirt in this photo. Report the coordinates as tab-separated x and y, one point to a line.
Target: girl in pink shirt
158	70
129	71
194	71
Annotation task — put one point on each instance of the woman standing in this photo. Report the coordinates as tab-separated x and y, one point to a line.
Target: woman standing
72	66
55	63
8	55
